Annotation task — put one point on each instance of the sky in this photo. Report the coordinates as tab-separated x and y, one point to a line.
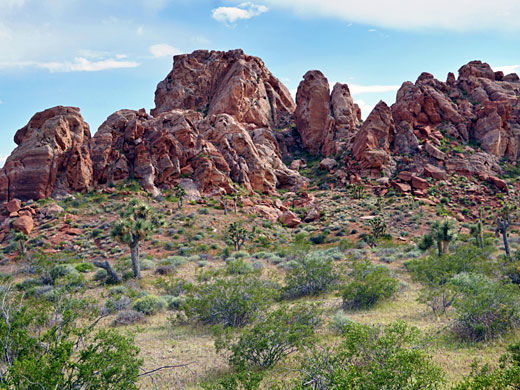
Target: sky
105	55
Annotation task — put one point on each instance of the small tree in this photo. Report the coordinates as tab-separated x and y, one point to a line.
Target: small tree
180	193
504	220
477	230
378	228
137	223
443	233
238	235
21	238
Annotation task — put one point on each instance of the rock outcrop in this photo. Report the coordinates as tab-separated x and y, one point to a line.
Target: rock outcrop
217	82
480	106
323	119
371	146
52	156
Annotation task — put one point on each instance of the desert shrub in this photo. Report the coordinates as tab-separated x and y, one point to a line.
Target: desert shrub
484	308
149	305
238	267
426	242
174	303
100	275
84	267
505	376
173	260
372	358
273	337
128	317
113	305
165	270
43	353
147	264
61	270
434	273
117	290
173	286
340	321
228	301
369	285
310	275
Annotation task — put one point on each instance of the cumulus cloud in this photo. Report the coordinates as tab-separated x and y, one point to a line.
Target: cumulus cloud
507	68
452	15
163	50
229	15
82	64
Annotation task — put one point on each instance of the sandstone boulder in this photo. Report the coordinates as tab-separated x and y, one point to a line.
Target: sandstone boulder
289	219
24	224
52	154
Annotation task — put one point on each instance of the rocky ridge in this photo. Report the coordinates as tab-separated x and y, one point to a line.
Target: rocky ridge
221	119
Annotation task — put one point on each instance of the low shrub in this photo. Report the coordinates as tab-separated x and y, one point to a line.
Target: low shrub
84	267
310	275
128	317
149	305
372	358
369	285
228	301
273	337
484	308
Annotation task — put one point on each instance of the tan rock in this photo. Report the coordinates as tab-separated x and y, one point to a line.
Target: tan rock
434	152
434	172
419	183
401	187
24	224
328	164
13	205
289	219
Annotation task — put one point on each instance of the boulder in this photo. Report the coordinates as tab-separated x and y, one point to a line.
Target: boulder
289	219
434	172
24	224
402	187
434	151
51	211
419	183
328	164
52	155
13	205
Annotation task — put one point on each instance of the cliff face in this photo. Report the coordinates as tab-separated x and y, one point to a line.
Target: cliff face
219	120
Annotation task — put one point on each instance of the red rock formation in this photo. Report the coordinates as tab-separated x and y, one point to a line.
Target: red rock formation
371	146
52	156
321	118
480	105
216	82
214	150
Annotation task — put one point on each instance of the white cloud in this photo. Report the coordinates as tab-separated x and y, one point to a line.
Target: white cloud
82	64
12	3
453	15
2	160
229	15
293	93
366	108
506	68
140	30
163	50
356	89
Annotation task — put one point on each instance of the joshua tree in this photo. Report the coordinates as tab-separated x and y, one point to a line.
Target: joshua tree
477	230
22	239
137	223
238	234
378	228
358	191
180	193
443	233
504	220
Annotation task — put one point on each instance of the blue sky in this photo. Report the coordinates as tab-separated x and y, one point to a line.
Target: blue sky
104	55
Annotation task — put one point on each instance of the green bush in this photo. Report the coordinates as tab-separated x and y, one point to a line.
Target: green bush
238	267
273	337
45	354
228	301
149	305
100	275
434	273
310	275
372	358
369	285
61	270
84	267
505	376
484	308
